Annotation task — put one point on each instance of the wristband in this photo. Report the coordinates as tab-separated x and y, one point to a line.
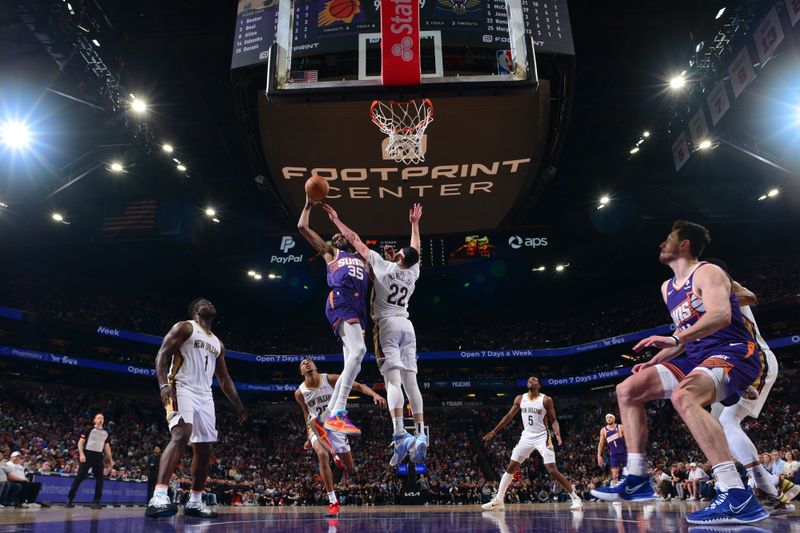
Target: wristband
164	385
677	340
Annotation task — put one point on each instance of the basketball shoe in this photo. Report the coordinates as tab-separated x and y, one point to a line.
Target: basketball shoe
341	422
788	490
198	510
402	445
160	506
333	510
318	429
773	504
420	449
737	506
630	489
493	505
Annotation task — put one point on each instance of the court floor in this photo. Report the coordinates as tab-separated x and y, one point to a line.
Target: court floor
596	517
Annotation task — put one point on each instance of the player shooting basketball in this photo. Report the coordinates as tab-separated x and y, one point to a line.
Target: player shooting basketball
346	309
395	339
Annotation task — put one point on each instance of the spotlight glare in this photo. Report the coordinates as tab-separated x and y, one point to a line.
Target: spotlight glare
3	206
271	276
96	43
176	160
210	211
251	273
762	197
15	135
116	166
58	217
634	149
215	219
257	276
646	134
604	199
601	206
705	144
168	148
560	268
773	193
138	106
181	168
677	83
720	13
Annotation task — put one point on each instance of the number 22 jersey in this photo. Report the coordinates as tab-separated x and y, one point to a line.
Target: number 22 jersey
392	288
348	279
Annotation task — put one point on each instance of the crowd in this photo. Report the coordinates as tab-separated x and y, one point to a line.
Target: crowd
60	298
264	462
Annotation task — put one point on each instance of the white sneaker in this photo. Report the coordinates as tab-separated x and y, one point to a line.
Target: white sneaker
493	505
577	504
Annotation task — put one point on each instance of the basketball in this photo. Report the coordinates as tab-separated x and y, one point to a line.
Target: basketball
342	9
317	188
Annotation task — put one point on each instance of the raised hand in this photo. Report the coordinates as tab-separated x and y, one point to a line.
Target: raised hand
415	214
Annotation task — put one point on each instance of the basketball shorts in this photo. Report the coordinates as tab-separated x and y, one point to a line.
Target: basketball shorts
755	396
673	372
340	306
618	460
528	442
395	344
338	440
733	368
196	409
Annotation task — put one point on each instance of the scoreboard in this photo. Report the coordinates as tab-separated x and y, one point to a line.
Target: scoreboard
324	26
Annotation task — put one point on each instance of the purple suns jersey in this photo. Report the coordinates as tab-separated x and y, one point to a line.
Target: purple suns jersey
686	308
615	440
348	278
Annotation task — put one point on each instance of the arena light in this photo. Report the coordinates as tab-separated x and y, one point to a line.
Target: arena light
182	168
271	276
539	269
646	134
257	277
167	148
773	193
96	43
138	106
215	219
762	197
677	83
3	206
116	166
16	135
251	273
210	212
178	161
58	217
305	287
720	13
705	144
634	149
604	199
560	268
471	395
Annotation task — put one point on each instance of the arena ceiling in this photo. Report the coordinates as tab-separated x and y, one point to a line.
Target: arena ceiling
179	60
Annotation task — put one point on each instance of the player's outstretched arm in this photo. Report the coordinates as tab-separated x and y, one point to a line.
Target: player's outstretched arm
171	344
506	419
377	399
351	236
551	414
313	238
227	386
414	216
744	295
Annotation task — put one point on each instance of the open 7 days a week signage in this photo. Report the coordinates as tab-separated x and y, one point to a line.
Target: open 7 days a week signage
481	155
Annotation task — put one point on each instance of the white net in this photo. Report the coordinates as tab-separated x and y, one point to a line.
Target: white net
404	123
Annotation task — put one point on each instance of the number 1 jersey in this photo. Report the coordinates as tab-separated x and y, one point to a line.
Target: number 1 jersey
392	287
194	363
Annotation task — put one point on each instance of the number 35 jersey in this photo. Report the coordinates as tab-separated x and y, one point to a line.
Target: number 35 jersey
392	287
194	363
348	279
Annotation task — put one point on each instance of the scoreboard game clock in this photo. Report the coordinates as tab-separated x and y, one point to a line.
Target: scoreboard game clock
325	26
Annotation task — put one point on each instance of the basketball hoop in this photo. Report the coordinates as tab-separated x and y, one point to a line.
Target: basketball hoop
404	123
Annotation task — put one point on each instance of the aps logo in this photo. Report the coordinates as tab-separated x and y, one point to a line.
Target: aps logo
516	242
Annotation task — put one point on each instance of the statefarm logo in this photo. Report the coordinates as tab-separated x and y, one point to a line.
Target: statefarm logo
401	24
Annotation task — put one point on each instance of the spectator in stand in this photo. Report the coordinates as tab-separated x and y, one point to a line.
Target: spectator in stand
695	479
679	477
790	465
15	472
776	463
664	487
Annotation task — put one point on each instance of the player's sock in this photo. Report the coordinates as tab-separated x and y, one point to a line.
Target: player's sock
332	497
727	476
574	495
762	480
196	496
398	425
505	481
419	428
160	490
637	464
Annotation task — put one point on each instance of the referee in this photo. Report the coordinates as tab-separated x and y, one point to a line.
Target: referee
91	446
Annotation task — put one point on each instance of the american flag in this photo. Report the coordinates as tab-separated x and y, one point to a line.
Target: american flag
307	76
139	216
